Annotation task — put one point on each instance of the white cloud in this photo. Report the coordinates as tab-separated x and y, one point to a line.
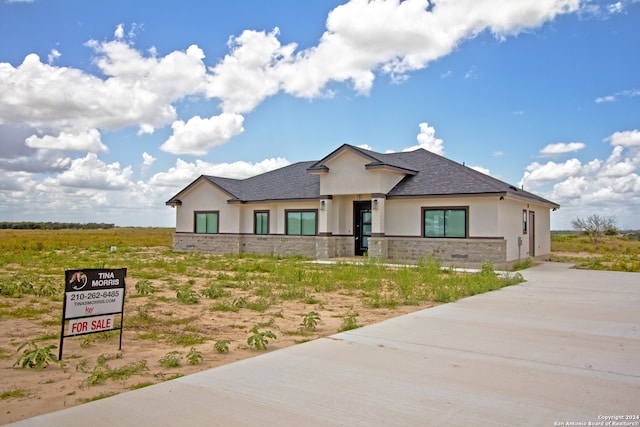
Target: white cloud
608	98
610	187
249	74
119	32
537	174
53	55
178	176
629	138
362	38
91	172
138	90
147	159
83	141
562	148
614	7
427	140
481	169
629	93
199	135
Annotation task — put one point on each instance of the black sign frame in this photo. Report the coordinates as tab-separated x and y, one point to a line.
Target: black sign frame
90	288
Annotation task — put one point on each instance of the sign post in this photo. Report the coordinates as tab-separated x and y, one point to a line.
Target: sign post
93	302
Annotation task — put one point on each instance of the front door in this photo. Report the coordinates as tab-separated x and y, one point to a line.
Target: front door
362	226
532	234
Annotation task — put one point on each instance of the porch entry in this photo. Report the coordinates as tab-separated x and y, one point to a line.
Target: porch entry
361	226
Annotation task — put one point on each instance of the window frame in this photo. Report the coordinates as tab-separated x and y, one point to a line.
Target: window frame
525	221
286	221
255	222
444	209
195	221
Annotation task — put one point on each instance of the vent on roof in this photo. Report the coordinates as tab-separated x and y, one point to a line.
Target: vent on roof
513	188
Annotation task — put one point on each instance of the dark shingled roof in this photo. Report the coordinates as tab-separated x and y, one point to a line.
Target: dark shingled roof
289	182
427	175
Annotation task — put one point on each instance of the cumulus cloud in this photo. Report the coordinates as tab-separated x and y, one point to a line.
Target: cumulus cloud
184	172
610	186
91	172
481	169
250	73
198	135
53	55
83	141
629	138
427	140
562	148
66	108
363	38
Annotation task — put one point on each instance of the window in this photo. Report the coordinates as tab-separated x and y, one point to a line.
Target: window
445	222
261	222
301	223
524	221
206	222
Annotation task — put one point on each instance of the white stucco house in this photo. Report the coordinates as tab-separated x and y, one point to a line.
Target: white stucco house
397	206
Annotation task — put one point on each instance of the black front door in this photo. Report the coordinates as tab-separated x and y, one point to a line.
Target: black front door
362	226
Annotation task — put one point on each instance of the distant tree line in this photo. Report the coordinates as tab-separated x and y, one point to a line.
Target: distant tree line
53	226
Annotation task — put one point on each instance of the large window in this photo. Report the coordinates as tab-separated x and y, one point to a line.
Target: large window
301	223
261	222
445	222
206	222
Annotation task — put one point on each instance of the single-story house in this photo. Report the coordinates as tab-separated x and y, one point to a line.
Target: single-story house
394	206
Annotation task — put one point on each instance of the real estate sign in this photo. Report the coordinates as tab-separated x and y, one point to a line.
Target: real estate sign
93	302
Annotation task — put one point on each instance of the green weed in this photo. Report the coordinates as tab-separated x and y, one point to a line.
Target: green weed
36	357
187	296
259	339
349	323
310	320
12	394
221	346
194	356
171	359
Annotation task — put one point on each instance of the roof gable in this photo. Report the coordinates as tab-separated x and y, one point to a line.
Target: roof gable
376	160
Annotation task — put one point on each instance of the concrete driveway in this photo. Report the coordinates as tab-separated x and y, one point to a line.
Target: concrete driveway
562	348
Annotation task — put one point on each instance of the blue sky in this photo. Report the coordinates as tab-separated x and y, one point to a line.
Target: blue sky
107	109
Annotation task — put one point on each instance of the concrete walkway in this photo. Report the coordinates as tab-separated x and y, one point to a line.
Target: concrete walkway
563	347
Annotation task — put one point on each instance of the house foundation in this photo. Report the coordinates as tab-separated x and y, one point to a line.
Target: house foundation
456	252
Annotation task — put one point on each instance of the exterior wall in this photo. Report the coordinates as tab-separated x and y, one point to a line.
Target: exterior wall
202	197
495	227
510	220
403	217
350	167
241	243
543	232
456	252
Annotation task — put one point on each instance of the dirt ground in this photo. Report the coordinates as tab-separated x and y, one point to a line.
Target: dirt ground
56	387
